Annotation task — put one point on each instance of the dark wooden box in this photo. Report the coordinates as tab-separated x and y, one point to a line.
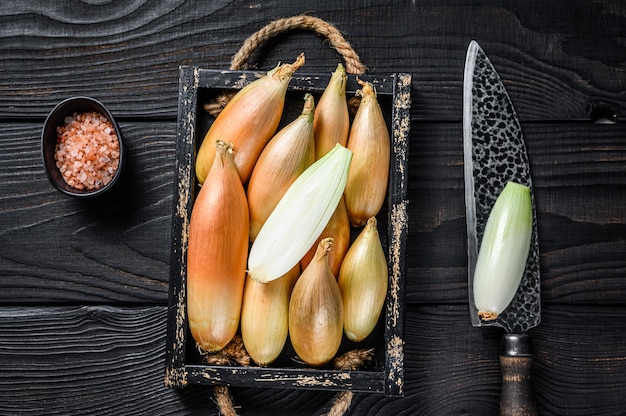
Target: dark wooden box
385	374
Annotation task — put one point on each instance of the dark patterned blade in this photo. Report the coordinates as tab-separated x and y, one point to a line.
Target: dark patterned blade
495	153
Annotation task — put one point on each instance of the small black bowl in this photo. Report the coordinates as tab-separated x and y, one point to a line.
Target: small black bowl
49	139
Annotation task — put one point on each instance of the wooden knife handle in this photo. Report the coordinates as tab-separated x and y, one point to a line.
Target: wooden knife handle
516	398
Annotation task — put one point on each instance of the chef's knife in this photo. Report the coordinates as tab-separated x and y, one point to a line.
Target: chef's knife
495	153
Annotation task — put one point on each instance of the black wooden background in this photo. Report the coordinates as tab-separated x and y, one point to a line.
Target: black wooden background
84	284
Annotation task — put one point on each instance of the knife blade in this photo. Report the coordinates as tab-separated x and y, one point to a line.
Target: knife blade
495	153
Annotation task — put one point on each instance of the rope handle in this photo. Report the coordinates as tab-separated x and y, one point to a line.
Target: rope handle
317	25
235	353
239	61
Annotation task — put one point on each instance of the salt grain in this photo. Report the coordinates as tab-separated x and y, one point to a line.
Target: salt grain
78	141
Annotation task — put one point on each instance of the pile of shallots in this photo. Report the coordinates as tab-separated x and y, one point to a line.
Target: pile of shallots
269	248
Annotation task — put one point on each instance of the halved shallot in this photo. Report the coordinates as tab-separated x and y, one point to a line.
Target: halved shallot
503	251
300	217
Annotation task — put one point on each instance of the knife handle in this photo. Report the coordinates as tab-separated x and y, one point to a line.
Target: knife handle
516	397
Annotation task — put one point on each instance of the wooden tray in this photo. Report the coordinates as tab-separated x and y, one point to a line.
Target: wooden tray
184	364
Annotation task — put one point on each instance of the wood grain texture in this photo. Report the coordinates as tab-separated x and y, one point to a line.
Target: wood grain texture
516	398
109	361
116	249
111	249
84	284
558	63
579	177
85	360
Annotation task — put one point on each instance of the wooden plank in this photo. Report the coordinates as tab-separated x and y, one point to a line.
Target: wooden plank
86	360
563	64
111	249
559	61
117	249
103	360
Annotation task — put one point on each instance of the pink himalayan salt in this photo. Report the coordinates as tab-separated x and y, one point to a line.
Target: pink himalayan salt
87	150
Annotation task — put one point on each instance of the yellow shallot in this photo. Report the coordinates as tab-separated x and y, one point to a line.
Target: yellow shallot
216	254
332	120
265	316
338	228
363	280
248	121
300	217
316	311
366	188
285	157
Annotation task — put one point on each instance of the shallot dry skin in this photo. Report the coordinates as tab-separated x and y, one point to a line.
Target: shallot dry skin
289	153
363	280
248	121
216	254
265	316
332	119
316	311
369	142
300	217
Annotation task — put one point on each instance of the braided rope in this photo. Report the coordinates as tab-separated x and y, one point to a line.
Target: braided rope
240	60
317	25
